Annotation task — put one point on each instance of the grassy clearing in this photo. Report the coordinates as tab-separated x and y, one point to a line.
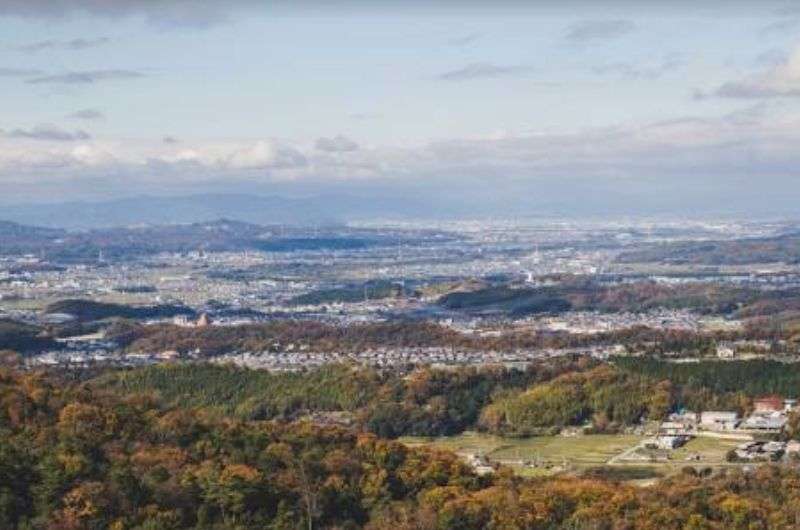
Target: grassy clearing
582	454
711	451
577	452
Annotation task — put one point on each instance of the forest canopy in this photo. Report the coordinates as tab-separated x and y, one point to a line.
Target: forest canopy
79	456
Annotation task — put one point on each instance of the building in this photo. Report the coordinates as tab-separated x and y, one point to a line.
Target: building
480	464
765	421
686	418
168	355
57	318
760	451
768	404
672	428
664	441
719	420
203	321
726	351
673	434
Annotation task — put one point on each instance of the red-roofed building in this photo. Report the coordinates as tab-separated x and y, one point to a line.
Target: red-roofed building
768	404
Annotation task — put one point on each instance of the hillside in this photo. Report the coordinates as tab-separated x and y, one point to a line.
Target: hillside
785	249
80	457
128	242
90	310
584	295
21	337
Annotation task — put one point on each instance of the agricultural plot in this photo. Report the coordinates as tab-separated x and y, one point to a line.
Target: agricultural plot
601	453
705	450
536	455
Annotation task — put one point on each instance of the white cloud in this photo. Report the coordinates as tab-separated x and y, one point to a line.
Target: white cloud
483	71
649	70
465	40
264	155
23	158
336	144
92	155
86	114
47	132
598	30
755	140
780	27
778	81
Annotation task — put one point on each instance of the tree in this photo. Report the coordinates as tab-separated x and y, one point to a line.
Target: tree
10	358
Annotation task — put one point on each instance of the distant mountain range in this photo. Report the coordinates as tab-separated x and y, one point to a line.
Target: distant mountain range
332	208
262	210
69	246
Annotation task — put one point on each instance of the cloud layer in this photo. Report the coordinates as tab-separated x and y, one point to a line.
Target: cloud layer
652	70
598	30
85	77
782	80
165	14
483	71
71	45
86	114
337	144
47	132
755	140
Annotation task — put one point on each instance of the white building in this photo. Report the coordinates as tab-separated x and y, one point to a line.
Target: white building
719	420
765	421
665	441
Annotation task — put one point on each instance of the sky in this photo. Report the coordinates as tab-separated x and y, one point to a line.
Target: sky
508	106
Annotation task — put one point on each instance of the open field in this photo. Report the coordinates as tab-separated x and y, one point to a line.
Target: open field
710	450
548	453
551	454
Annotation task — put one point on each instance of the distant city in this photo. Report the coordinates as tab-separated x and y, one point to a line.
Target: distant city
235	273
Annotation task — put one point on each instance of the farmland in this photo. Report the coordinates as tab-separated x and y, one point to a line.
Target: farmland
547	455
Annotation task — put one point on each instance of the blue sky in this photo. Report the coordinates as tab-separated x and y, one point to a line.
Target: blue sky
116	98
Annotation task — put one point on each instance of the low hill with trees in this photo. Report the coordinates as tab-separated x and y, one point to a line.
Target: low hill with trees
22	337
90	310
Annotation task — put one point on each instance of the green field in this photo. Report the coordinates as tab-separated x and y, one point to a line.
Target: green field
551	454
547	452
710	450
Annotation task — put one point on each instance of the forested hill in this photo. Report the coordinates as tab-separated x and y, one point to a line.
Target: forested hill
13	231
785	248
542	399
18	239
582	294
425	402
80	457
90	310
21	337
750	377
143	240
